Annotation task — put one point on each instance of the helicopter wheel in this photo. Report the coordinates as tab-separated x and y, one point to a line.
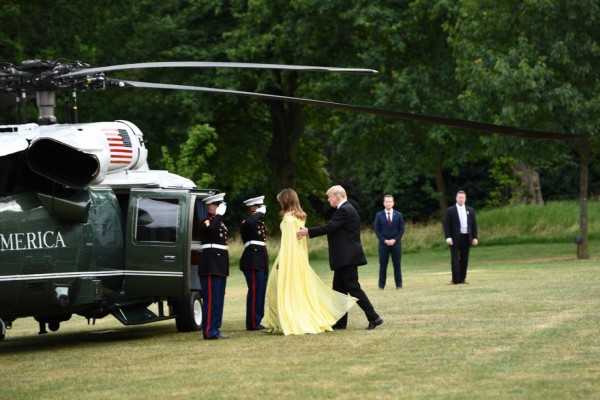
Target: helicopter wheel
2	330
189	313
53	326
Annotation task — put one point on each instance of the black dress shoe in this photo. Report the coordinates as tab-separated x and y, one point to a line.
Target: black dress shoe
258	328
337	327
218	337
375	323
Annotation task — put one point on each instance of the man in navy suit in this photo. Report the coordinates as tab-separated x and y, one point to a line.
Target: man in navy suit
389	228
460	230
345	253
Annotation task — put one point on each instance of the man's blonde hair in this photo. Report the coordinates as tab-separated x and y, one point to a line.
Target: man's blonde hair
337	191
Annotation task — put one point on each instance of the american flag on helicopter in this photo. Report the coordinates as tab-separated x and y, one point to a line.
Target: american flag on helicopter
119	143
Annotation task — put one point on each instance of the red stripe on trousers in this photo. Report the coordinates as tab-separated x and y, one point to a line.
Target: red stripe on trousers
254	298
209	307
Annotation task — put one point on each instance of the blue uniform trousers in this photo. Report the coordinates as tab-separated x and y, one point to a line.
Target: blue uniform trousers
213	299
255	300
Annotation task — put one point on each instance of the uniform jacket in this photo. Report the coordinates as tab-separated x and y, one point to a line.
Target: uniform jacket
212	260
343	235
254	256
385	231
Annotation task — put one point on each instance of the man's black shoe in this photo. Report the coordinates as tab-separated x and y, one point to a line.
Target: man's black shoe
375	323
217	337
259	327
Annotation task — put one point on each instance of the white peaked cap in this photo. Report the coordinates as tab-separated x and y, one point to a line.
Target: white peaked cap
217	198
255	201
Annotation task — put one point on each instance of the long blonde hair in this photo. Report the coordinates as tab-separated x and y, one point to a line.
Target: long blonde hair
290	203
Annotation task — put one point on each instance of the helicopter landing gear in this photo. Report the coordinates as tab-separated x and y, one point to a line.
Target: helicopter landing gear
53	325
2	330
52	322
189	313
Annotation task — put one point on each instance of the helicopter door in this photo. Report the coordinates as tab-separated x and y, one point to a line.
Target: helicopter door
157	247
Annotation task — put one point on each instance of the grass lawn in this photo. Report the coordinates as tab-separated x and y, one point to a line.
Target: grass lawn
526	327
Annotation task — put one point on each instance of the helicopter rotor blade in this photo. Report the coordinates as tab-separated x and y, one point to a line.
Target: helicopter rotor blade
206	64
456	123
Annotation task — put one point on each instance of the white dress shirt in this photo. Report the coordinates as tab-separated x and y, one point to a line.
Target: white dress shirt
462	216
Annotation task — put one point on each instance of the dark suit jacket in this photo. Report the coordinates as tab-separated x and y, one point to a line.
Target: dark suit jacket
452	224
384	231
343	236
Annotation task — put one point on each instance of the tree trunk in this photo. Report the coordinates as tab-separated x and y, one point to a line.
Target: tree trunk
441	184
286	123
531	192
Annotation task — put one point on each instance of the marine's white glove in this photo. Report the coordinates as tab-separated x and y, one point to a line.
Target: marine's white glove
262	209
221	208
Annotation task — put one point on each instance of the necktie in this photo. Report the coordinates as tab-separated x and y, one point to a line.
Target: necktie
389	215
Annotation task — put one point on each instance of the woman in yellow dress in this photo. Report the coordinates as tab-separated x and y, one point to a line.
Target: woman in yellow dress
298	301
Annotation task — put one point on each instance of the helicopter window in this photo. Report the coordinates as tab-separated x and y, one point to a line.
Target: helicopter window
157	220
199	215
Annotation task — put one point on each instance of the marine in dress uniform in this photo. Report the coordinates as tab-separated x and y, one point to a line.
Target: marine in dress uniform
255	261
214	266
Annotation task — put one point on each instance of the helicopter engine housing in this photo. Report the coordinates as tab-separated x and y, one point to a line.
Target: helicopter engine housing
81	155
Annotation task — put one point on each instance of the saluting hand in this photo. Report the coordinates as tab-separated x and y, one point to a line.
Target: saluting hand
262	209
221	208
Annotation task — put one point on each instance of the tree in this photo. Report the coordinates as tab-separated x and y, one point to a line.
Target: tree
407	43
192	159
516	71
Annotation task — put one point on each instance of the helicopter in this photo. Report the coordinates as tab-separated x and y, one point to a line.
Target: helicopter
87	228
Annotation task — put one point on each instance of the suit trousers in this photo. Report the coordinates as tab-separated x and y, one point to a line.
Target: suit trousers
385	252
345	280
460	258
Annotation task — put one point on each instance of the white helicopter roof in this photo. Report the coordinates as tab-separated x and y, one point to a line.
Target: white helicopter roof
129	179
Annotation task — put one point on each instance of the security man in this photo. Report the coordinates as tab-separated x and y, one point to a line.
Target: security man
255	261
214	266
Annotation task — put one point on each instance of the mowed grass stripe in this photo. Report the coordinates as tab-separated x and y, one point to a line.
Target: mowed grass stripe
525	327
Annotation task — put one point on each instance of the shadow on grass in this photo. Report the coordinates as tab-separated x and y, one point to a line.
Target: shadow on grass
58	340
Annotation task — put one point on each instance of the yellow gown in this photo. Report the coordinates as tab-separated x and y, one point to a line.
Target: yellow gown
297	300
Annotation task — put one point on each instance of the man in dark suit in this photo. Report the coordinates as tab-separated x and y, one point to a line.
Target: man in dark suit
389	228
255	261
345	253
460	230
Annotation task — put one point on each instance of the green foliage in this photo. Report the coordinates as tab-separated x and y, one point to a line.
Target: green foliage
516	71
193	156
530	63
501	171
